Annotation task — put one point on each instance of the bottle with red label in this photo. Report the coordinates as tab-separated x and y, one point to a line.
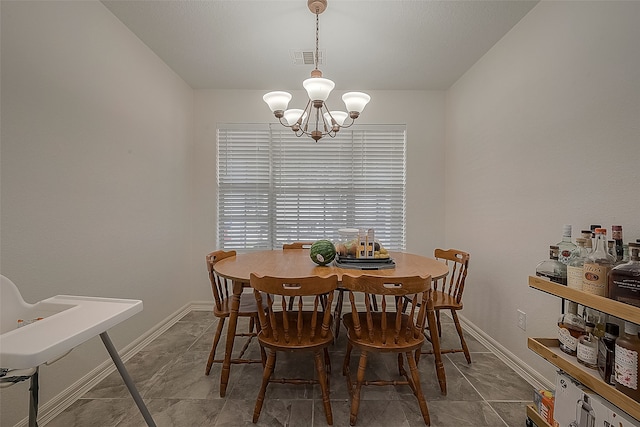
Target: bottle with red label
565	247
626	361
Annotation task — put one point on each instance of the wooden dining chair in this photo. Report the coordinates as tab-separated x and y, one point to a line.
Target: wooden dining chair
222	295
388	330
447	295
305	328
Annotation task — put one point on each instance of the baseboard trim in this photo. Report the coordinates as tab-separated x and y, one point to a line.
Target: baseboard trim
49	410
533	377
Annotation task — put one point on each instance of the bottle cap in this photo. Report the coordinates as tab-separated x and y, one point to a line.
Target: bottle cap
601	231
612	329
630	328
566	230
616	227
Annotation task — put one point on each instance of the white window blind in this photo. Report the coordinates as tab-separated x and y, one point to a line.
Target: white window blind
274	187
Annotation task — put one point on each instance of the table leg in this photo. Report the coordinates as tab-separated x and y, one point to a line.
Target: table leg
231	333
33	399
337	314
435	342
127	379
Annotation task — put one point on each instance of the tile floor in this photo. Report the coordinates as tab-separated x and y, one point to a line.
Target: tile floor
169	373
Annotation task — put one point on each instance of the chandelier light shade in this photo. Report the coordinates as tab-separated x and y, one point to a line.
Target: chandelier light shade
293	115
355	102
277	101
316	120
318	88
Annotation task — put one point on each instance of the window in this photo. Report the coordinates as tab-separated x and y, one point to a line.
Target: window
274	187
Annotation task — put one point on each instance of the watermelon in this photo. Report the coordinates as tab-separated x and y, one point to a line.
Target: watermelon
322	252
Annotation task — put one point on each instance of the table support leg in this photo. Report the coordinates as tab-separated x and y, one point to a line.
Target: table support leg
337	314
33	399
231	333
435	342
127	379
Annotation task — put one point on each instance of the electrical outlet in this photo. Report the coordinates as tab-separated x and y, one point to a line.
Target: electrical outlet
522	320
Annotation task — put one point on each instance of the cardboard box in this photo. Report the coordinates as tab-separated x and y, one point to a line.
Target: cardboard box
578	406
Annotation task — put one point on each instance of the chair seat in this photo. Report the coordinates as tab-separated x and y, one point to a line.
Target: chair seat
305	342
248	306
443	300
405	343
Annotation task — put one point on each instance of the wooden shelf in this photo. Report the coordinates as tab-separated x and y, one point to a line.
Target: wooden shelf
535	417
549	349
615	308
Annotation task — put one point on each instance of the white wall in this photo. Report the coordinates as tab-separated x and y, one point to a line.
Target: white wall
96	155
422	111
542	131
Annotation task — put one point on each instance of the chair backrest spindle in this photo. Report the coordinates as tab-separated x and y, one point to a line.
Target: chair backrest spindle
219	285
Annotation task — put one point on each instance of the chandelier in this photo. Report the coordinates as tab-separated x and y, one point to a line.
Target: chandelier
316	120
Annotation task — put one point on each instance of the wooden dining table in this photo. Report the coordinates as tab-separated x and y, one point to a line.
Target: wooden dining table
297	263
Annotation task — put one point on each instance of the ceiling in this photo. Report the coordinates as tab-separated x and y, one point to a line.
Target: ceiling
372	45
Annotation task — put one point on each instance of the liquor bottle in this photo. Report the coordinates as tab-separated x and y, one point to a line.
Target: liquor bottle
593	232
616	235
624	279
606	349
598	318
570	329
626	361
588	240
565	246
587	350
597	266
576	264
552	269
611	248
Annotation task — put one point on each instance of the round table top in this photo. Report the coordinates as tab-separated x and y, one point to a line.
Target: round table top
296	263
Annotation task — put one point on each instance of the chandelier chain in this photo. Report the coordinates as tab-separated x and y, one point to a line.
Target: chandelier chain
317	38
